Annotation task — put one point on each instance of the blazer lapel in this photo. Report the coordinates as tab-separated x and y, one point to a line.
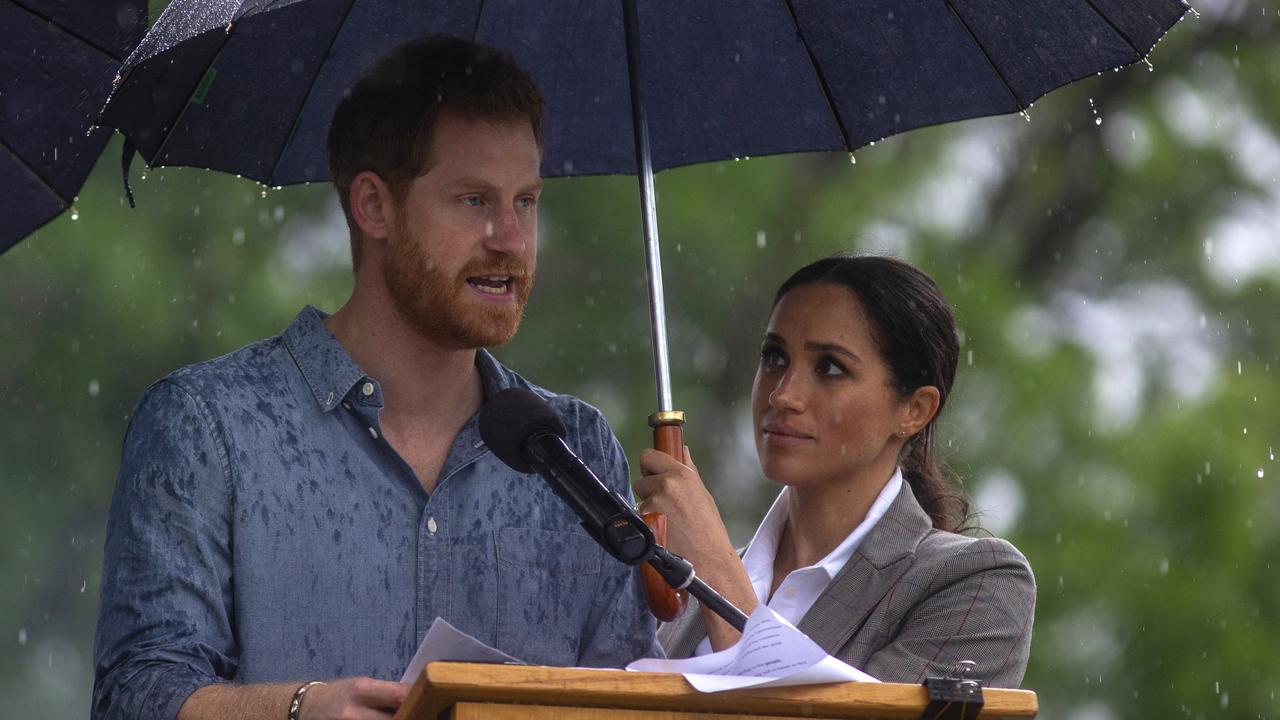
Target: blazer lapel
884	555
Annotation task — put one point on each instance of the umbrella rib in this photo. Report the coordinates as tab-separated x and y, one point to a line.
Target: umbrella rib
297	117
1128	40
475	31
822	78
995	68
67	30
34	173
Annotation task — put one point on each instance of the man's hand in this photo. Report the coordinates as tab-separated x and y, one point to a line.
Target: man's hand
359	698
353	699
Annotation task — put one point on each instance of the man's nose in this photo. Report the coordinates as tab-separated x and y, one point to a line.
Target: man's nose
508	231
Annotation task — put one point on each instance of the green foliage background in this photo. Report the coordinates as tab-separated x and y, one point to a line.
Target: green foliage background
1117	285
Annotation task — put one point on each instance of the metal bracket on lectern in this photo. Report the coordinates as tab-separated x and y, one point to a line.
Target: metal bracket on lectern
955	697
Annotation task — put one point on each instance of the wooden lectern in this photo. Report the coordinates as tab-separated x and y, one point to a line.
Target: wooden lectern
466	691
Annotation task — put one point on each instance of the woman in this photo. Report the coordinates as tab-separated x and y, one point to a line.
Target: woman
860	551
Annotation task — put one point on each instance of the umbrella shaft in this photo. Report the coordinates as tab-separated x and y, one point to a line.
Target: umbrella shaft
652	255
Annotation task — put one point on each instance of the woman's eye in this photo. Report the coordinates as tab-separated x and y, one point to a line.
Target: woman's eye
772	359
827	366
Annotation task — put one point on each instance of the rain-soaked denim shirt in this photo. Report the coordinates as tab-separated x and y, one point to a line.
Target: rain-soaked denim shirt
262	530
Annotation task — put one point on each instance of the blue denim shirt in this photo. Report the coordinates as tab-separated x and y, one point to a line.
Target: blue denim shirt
262	530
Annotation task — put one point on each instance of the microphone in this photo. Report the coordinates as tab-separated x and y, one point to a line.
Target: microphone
527	434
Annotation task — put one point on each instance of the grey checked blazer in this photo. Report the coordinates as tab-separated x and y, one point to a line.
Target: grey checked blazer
912	602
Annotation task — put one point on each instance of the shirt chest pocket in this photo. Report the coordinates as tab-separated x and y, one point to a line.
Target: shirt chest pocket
546	587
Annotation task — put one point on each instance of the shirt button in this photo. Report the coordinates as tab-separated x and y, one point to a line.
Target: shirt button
374	433
431	525
346	405
367	389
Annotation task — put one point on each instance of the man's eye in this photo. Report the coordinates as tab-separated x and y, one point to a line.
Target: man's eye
472	201
526	202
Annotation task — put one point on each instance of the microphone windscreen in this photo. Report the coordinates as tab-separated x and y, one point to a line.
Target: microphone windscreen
510	417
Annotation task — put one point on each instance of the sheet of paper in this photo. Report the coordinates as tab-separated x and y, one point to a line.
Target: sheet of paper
445	642
772	653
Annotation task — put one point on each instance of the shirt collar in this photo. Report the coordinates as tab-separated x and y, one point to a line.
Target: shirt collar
328	369
331	373
763	548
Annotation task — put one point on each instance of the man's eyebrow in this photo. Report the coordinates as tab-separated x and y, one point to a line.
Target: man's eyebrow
468	183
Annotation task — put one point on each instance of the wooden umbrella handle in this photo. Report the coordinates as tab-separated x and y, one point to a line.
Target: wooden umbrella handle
665	602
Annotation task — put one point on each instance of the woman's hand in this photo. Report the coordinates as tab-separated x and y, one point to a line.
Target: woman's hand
696	532
675	489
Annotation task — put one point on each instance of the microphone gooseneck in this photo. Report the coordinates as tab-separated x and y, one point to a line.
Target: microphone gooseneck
527	434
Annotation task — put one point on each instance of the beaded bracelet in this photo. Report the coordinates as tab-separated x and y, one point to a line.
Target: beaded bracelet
295	705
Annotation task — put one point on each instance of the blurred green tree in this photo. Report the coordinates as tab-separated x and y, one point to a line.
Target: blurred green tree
1114	264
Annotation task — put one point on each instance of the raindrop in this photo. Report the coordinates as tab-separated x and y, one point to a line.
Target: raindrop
1261	473
761	239
1239	368
278	213
94	387
852	160
84	584
22	636
237	236
1097	121
969	358
75	214
264	192
1164	566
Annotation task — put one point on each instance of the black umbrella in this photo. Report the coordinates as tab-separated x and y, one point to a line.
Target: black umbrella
249	86
57	59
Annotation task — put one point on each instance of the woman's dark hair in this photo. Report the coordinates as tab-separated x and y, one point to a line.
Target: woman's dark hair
915	331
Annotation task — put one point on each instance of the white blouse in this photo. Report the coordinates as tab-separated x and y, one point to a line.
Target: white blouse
802	586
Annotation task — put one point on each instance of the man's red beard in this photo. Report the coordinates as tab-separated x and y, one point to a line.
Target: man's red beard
437	305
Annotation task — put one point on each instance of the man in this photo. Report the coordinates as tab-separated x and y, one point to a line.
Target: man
302	509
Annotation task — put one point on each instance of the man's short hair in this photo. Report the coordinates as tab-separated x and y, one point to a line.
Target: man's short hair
386	121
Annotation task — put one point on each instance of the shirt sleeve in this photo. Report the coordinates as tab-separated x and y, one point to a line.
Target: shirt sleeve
164	621
981	609
621	628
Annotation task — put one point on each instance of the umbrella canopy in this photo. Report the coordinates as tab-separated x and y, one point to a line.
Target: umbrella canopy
57	59
249	86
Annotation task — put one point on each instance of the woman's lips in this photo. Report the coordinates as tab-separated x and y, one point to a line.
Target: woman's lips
779	435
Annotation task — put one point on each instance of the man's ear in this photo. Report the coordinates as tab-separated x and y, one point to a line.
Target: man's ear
919	409
371	205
